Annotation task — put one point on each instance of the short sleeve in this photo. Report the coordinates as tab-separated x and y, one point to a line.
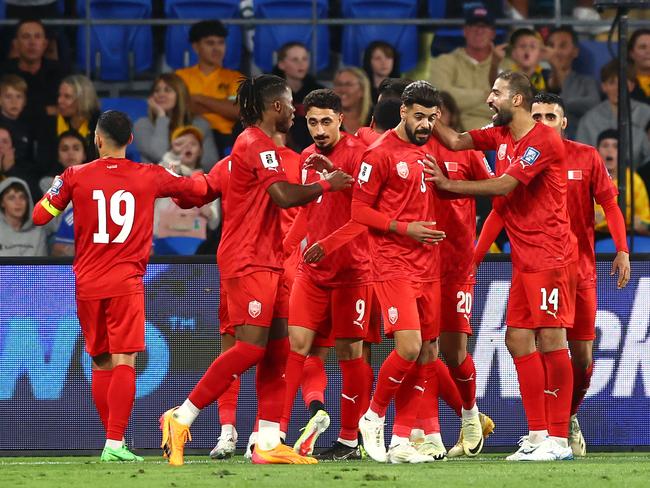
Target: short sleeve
265	162
602	186
534	160
60	193
485	139
479	166
370	177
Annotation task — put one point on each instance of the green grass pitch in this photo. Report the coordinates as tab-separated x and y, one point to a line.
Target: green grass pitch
619	469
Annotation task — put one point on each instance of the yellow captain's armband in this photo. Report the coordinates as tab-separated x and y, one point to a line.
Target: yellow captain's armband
51	209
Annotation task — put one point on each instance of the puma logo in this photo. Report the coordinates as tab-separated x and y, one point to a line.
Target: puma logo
554	314
399	382
466	317
465	380
419	388
552	392
352	399
359	324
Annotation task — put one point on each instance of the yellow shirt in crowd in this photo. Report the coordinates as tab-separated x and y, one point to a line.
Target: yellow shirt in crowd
644	83
222	83
641	204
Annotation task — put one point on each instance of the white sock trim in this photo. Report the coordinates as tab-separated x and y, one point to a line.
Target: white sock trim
470	414
396	440
113	444
268	435
561	441
187	413
348	443
537	436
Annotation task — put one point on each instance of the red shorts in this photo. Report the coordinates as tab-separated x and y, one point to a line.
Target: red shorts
342	313
374	328
114	325
456	307
226	326
409	305
584	325
542	299
256	299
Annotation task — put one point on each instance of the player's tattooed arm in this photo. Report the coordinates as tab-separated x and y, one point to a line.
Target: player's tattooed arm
456	141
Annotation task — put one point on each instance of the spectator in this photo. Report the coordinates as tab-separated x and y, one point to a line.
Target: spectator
449	113
353	86
607	146
525	55
13	97
10	165
169	109
43	76
177	230
639	53
579	92
465	72
604	115
18	235
212	87
380	61
71	151
293	66
392	88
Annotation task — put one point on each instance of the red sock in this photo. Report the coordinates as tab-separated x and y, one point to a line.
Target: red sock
121	394
428	419
530	372
101	380
447	389
293	375
270	381
369	379
354	384
408	400
581	382
464	377
314	380
390	377
558	391
227	403
223	371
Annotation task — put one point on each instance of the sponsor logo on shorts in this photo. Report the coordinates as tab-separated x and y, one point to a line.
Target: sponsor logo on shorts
402	169
392	315
254	308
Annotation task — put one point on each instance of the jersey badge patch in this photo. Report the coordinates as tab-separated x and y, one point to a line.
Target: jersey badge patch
254	308
364	173
269	160
402	169
452	166
56	186
502	151
530	156
392	315
575	174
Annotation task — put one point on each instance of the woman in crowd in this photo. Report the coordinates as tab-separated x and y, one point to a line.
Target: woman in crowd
353	86
169	109
380	61
639	54
71	151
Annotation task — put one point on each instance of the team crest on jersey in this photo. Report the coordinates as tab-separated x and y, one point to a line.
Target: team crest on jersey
452	166
254	308
392	315
56	186
530	156
364	173
502	151
403	169
269	160
575	174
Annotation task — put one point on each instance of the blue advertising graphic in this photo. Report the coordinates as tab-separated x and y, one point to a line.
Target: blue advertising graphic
45	373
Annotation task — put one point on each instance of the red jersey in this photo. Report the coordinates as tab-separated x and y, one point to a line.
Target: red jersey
291	162
367	135
535	212
113	205
457	217
588	181
349	265
391	180
252	234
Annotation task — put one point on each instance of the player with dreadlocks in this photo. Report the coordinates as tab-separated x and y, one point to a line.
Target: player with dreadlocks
250	259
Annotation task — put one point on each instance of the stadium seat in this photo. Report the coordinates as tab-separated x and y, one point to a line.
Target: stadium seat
437	9
593	55
135	108
114	44
403	37
269	38
505	249
179	52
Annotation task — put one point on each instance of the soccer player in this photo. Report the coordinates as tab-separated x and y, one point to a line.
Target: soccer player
250	257
332	297
531	190
393	200
113	200
588	180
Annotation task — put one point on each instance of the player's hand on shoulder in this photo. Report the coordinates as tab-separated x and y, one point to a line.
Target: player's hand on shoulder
314	254
436	175
318	162
424	232
339	180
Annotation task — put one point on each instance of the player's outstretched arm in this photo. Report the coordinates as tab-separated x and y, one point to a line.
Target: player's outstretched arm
191	200
456	141
287	195
491	228
502	185
340	237
297	232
